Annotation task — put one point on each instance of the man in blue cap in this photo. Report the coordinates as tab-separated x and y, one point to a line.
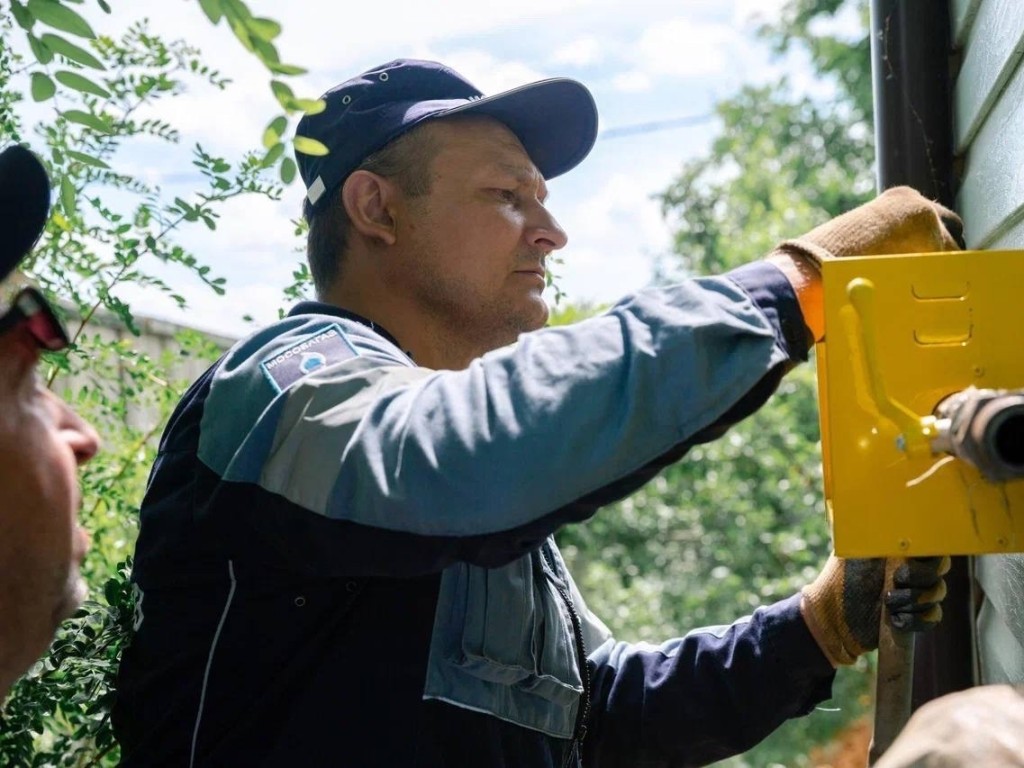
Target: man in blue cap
346	553
42	442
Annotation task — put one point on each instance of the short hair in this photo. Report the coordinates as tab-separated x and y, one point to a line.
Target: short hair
407	160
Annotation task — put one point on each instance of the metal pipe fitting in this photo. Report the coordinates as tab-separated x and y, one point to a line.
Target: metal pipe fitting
985	428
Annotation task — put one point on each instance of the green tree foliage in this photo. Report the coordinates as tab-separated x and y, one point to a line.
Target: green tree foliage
740	522
781	165
783	162
109	229
47	25
831	55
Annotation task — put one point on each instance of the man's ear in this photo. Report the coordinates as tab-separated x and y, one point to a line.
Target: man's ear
367	198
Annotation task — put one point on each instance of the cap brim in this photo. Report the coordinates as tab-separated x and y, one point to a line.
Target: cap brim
556	121
24	204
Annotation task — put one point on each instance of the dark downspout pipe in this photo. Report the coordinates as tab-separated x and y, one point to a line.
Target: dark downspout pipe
910	59
911	54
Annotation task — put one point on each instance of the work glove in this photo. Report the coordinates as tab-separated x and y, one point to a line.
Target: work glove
843	605
900	220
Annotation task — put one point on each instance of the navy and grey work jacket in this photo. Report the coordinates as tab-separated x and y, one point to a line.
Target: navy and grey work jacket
346	559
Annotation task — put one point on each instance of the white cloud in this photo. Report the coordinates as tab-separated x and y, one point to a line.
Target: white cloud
756	12
632	82
228	121
612	235
683	48
581	52
244	225
368	34
847	24
486	71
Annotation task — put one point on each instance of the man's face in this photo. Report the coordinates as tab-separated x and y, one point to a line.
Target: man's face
42	442
473	250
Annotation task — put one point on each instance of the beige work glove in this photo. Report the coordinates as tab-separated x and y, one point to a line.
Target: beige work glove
978	728
900	220
843	606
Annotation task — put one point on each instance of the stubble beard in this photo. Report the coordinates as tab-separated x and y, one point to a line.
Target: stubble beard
73	593
41	603
479	329
470	328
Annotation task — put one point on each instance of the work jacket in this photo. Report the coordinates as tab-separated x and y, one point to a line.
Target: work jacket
345	559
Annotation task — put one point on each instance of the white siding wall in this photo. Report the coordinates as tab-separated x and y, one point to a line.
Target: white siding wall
989	129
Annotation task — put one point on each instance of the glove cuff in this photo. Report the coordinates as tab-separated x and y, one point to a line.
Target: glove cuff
826	627
807	249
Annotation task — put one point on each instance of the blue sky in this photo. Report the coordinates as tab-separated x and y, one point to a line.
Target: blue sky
654	61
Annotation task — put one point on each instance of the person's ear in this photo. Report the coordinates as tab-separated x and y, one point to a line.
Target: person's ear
367	198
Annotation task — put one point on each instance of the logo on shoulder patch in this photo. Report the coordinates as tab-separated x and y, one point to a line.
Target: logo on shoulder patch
327	346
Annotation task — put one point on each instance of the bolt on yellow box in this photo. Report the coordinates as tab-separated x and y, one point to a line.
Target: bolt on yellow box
908	339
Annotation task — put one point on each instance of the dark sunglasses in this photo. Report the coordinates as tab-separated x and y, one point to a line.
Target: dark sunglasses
30	309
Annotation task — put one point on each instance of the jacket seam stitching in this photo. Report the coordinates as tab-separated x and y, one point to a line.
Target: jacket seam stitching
209	661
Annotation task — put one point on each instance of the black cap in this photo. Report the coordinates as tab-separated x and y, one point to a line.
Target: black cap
24	204
556	119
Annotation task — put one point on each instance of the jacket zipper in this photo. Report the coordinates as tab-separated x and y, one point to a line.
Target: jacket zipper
580	730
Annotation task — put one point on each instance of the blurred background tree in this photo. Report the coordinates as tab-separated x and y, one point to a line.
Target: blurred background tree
740	522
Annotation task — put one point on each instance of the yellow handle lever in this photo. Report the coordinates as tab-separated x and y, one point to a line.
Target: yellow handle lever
916	432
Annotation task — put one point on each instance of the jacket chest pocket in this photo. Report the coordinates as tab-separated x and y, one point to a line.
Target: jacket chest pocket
503	644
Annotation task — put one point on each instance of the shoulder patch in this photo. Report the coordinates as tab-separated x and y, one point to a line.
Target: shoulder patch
324	347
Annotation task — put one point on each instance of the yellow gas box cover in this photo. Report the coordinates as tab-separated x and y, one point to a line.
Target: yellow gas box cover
901	334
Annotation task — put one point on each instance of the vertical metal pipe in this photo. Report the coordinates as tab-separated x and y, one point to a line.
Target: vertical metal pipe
911	60
894	679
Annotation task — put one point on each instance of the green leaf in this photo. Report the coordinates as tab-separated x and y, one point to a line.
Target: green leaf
59	16
190	213
40	50
264	29
273	155
60	221
80	83
278	125
22	16
212	9
71	51
237	9
286	69
241	33
67	196
266	51
42	87
308	146
272	135
87	119
288	170
283	93
104	5
310	106
81	157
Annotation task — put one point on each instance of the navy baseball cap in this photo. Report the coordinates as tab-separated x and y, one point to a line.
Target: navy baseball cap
24	204
555	119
